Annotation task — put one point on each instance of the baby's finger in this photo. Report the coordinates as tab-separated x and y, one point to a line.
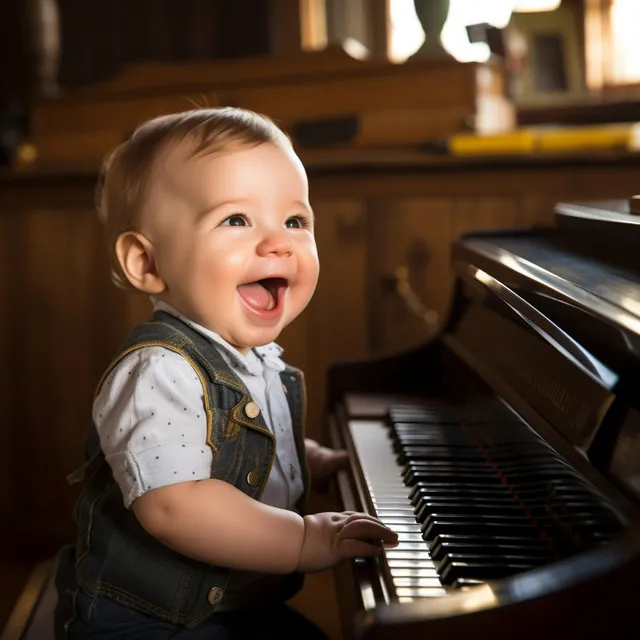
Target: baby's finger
357	515
364	529
357	549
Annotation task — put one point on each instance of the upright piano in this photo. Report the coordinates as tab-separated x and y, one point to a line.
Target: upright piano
506	450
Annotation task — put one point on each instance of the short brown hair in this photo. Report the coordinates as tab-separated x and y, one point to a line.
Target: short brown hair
126	171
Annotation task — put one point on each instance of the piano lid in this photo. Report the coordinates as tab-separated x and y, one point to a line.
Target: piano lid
582	274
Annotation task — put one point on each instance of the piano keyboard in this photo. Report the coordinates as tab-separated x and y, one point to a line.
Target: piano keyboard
412	571
472	500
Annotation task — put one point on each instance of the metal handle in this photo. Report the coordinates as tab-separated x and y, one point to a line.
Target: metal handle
412	300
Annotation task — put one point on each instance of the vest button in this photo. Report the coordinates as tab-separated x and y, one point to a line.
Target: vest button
284	388
252	410
215	595
253	478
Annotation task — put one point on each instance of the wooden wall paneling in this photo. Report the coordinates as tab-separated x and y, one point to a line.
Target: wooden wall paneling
285	27
7	359
413	233
339	315
12	260
535	211
442	178
56	387
610	181
73	319
471	215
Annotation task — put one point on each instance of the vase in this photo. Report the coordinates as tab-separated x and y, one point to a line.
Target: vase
432	15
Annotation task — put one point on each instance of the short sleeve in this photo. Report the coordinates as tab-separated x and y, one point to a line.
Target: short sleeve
151	422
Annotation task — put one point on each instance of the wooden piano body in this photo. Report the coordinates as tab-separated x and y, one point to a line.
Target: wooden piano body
506	450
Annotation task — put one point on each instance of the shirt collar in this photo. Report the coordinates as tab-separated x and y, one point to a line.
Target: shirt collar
267	355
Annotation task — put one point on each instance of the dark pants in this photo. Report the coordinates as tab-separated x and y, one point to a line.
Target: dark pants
79	617
102	618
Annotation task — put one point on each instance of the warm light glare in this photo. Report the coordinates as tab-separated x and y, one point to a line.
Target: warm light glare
625	17
531	6
407	35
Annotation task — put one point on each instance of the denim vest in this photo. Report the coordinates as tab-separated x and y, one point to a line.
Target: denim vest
116	558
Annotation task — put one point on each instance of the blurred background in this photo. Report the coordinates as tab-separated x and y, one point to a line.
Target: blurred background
418	120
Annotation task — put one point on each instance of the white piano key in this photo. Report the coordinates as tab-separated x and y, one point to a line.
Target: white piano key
410	537
392	554
412	571
408	546
418	582
409	564
392	522
407	528
415	573
426	592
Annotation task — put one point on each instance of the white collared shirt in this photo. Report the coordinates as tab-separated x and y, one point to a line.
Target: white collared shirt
152	426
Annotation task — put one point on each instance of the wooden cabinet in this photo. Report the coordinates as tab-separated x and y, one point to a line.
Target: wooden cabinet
62	319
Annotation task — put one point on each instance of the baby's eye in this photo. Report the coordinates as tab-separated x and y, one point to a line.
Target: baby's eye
297	222
236	220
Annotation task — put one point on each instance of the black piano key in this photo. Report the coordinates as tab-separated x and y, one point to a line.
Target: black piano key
499	527
465	508
514	481
481	571
489	560
503	506
465	583
554	491
504	467
499	540
399	416
439	550
462	489
579	522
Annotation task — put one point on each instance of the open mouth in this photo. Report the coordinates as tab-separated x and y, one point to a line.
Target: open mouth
263	295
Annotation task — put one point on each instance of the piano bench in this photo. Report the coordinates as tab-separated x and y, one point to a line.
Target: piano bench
32	615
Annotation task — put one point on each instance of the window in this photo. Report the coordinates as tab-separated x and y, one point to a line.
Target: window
611	48
624	18
406	34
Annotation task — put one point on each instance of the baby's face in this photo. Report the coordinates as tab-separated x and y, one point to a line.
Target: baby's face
233	240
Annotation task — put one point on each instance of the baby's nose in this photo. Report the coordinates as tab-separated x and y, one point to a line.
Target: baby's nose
275	243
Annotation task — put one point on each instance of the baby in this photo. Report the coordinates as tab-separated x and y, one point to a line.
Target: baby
191	522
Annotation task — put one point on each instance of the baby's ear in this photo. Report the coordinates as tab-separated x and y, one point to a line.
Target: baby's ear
137	260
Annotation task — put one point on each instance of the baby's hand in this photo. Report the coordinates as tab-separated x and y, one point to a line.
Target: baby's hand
323	463
331	537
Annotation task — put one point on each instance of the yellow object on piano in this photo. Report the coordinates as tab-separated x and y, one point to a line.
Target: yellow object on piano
515	142
525	141
606	136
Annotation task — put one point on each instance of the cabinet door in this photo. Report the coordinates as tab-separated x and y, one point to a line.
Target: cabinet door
417	235
413	234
